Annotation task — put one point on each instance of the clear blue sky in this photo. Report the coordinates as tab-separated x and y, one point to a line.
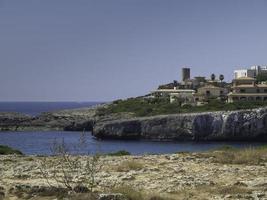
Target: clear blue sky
100	50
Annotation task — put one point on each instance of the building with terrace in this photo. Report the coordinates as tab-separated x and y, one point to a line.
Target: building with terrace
246	89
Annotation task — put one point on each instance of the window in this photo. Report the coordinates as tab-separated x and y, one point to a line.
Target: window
258	98
265	90
242	90
258	90
207	92
221	92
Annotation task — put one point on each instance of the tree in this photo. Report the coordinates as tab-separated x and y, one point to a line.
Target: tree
213	77
261	77
175	83
221	77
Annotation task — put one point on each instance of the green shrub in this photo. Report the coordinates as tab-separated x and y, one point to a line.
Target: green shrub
5	150
119	153
159	106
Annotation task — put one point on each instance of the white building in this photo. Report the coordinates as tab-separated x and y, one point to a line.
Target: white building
183	94
259	69
244	73
252	72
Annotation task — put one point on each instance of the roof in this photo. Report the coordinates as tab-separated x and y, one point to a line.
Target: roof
247	94
251	86
262	85
245	78
210	86
173	90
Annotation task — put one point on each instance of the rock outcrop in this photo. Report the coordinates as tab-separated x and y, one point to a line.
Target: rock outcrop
12	121
67	120
232	125
71	120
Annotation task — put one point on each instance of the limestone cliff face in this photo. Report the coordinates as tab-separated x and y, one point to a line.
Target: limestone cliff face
234	125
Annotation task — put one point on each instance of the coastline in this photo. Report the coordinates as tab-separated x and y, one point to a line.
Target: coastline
240	125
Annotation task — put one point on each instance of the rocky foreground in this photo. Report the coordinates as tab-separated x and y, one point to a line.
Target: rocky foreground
209	175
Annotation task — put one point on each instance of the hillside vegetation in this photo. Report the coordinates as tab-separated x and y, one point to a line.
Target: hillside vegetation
149	107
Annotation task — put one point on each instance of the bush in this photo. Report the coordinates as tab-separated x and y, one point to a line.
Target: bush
5	150
70	172
119	153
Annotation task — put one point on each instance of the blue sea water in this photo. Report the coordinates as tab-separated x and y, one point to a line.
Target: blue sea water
40	143
35	108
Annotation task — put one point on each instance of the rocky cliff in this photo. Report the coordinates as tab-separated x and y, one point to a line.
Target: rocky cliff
234	125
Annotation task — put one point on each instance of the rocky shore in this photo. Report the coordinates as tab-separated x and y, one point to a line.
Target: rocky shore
248	125
170	176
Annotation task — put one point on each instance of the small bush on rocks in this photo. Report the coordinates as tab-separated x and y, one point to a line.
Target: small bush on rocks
75	173
119	153
5	150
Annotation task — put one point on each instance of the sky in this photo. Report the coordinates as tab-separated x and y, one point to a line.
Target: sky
102	50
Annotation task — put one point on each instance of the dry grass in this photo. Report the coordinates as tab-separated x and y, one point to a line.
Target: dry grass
230	189
198	193
133	194
129	165
251	156
231	155
206	192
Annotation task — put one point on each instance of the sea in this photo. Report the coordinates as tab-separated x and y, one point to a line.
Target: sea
41	142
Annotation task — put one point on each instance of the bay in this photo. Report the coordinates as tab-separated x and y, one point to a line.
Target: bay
40	143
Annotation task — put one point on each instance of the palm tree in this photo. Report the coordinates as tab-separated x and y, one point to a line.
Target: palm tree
175	83
213	77
221	77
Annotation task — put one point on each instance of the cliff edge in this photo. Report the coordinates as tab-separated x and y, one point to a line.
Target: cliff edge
224	125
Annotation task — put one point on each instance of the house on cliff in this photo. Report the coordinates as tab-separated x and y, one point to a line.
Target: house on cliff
195	91
210	92
246	89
